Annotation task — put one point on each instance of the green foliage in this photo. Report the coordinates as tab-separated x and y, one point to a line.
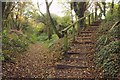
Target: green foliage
108	46
102	41
43	38
12	43
119	9
115	15
107	58
65	21
115	32
105	27
112	17
1	55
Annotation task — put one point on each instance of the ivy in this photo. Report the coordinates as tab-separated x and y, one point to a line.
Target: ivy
115	32
107	58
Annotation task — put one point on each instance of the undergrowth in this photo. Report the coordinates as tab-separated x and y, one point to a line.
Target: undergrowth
13	44
107	57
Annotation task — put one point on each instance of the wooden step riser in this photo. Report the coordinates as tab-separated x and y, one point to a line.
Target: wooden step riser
76	59
87	32
60	66
85	42
94	25
85	36
81	53
81	48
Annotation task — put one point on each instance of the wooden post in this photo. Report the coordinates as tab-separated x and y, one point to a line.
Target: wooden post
92	17
100	15
65	41
89	19
73	33
95	11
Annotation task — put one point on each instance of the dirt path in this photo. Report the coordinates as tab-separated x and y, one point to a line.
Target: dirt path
33	63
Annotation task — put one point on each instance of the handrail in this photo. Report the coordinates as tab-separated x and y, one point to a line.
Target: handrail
67	28
116	23
64	31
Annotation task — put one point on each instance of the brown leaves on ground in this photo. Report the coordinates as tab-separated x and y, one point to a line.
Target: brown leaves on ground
84	58
35	62
39	62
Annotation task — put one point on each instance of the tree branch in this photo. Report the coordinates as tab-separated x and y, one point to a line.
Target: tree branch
50	3
39	9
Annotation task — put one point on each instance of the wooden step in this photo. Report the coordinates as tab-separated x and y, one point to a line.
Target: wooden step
86	32
85	36
72	53
65	66
88	42
81	46
94	24
84	53
85	42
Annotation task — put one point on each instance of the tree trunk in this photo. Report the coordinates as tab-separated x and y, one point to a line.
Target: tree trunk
49	33
79	8
104	8
48	24
51	21
119	10
3	7
112	6
95	11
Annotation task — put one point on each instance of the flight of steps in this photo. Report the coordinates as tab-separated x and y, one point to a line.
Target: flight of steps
78	61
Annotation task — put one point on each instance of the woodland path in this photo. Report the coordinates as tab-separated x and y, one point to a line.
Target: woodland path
30	64
39	62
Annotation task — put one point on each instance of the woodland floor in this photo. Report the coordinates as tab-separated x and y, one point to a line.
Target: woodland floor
39	62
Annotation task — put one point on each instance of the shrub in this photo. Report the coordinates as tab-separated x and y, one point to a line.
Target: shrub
12	43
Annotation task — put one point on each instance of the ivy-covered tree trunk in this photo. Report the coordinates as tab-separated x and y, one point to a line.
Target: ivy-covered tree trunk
48	24
79	8
51	20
